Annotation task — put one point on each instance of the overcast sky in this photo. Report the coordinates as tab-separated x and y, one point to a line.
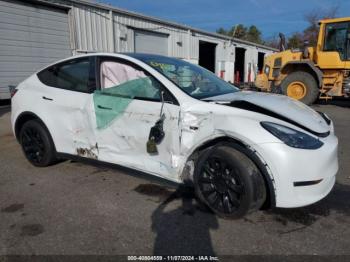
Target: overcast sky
271	16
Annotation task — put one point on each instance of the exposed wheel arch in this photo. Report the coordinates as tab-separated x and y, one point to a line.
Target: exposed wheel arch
37	144
252	155
24	117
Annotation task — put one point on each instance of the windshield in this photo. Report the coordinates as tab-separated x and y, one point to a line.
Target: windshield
192	79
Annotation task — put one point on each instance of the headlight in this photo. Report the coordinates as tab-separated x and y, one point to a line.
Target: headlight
292	137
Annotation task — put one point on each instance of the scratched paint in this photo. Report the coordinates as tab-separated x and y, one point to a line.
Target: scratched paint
91	152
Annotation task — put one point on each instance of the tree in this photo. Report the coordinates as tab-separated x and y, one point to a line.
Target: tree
231	31
240	31
253	35
311	32
221	31
272	41
295	41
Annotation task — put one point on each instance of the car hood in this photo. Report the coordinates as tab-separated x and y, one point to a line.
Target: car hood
278	106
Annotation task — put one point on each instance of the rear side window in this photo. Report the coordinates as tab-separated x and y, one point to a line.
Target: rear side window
74	75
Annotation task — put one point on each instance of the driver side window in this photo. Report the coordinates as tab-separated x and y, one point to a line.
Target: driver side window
125	80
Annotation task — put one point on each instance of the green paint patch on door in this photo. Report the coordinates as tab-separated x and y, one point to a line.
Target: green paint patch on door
110	103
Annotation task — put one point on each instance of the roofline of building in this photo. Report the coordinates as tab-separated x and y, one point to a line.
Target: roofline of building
48	3
160	21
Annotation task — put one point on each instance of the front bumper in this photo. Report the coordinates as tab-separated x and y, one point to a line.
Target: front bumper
289	165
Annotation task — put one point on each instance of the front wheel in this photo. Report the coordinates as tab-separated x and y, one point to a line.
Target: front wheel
228	182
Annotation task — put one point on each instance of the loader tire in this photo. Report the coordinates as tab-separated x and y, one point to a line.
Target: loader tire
301	86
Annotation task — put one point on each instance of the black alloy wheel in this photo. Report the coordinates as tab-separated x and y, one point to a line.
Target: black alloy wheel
37	144
228	181
220	184
33	145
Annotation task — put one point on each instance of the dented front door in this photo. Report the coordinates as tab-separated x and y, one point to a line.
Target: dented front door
122	135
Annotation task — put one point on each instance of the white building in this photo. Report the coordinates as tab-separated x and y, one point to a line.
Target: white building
34	33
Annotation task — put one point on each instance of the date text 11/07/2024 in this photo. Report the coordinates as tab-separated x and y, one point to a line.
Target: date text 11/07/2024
173	258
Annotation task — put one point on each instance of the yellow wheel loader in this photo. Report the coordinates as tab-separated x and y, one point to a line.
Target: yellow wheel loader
316	72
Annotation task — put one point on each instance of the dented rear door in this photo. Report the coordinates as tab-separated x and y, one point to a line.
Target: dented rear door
66	98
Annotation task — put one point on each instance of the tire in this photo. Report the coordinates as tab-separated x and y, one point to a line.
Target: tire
299	81
37	144
228	182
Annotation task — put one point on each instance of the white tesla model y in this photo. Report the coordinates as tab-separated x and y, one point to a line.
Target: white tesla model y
178	121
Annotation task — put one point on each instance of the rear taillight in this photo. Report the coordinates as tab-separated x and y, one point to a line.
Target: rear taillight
13	91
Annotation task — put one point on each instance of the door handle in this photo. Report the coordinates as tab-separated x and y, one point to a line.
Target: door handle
47	98
103	107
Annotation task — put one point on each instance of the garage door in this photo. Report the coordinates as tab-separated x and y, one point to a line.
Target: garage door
31	36
152	43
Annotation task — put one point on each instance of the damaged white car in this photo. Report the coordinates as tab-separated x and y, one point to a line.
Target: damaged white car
178	121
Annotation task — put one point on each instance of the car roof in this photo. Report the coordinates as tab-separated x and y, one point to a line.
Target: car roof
118	55
134	55
138	56
145	55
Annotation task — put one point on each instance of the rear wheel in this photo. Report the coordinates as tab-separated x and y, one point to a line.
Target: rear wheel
37	144
228	182
301	86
